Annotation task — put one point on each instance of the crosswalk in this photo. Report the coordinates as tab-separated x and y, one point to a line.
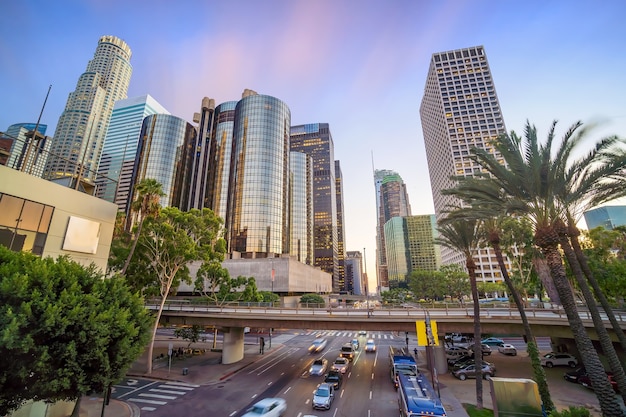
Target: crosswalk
160	394
341	333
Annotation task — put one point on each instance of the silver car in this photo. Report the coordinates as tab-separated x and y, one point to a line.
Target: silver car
268	407
318	367
470	371
318	345
323	396
341	365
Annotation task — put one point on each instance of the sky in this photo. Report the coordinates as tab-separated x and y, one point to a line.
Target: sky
359	65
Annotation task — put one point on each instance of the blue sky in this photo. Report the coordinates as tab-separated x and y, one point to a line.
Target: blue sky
359	65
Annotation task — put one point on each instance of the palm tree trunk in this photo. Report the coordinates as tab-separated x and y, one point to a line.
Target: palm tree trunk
603	335
608	400
533	352
478	351
582	259
543	271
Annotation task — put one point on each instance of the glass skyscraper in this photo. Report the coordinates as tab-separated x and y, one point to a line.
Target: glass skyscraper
608	217
120	147
162	146
341	249
301	212
257	218
20	156
80	132
459	110
316	141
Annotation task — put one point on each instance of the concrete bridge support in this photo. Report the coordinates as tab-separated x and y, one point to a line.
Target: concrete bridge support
233	345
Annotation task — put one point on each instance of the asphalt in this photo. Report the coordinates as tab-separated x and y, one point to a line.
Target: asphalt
205	368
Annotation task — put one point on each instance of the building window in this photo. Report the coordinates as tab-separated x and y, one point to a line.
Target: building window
24	224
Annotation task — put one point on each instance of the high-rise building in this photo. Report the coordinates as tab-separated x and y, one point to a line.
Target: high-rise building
80	132
341	250
257	218
301	211
120	147
393	201
163	144
459	111
316	141
354	273
26	150
608	217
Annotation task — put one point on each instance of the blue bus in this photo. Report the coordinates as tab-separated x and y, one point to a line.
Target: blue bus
417	398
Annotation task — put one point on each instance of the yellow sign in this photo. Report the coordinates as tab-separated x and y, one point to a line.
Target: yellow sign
426	333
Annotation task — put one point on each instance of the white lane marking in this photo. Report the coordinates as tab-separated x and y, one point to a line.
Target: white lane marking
163	397
142	400
182	385
166	391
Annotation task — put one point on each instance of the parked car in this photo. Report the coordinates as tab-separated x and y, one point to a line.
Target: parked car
507	349
318	367
323	396
573	376
486	350
335	378
558	359
370	346
341	365
585	381
456	352
461	362
318	345
492	341
470	371
267	407
355	344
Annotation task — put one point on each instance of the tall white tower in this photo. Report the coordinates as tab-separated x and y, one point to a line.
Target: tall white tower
82	127
459	111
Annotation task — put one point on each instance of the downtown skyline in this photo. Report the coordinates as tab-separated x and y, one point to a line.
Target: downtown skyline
361	67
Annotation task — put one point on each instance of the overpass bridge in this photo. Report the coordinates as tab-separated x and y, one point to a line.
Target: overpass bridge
502	320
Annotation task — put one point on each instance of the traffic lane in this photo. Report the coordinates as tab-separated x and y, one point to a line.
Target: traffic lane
563	393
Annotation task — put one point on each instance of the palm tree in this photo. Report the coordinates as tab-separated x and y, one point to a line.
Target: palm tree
488	215
465	236
528	180
149	192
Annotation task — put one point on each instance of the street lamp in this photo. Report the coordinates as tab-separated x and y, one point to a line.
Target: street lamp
367	294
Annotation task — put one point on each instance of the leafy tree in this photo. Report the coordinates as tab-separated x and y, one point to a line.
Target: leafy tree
192	333
606	254
456	281
168	242
64	330
427	284
396	296
312	298
268	297
490	288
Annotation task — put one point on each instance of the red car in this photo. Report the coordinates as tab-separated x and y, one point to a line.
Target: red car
585	381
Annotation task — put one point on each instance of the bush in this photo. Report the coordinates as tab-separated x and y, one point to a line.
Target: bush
312	299
571	412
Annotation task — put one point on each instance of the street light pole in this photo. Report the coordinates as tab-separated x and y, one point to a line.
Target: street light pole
367	293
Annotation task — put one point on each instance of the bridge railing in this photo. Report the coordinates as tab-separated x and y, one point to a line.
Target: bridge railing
493	312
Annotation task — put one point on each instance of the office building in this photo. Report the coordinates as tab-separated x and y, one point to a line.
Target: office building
341	250
608	217
460	110
81	129
316	141
301	211
257	217
120	147
354	273
25	150
393	201
163	144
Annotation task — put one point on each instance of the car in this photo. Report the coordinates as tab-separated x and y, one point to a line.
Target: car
558	359
470	371
507	349
573	376
486	350
355	344
318	367
341	364
462	362
456	352
267	407
323	396
318	345
362	333
335	378
453	337
347	351
585	381
492	341
370	346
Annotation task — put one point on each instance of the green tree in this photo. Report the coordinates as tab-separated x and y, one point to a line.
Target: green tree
168	243
427	284
149	192
456	281
396	296
466	236
530	179
191	334
312	298
268	297
64	330
488	289
605	250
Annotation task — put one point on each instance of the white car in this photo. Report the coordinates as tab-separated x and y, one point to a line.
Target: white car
456	352
318	367
558	359
507	349
318	345
267	407
341	365
370	346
